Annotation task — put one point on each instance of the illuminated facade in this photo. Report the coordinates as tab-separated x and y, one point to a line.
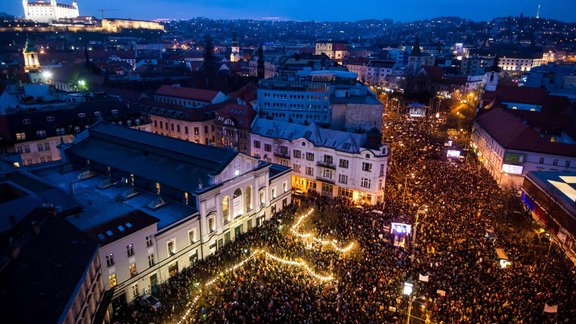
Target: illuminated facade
166	204
46	11
116	25
332	163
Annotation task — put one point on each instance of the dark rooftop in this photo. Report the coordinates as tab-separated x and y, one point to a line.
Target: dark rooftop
38	285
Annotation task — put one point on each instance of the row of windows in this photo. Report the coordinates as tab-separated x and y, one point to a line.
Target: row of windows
298	106
181	102
555	162
268	95
28	121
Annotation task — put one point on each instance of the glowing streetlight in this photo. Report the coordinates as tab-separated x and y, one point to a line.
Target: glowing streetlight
47	75
407	288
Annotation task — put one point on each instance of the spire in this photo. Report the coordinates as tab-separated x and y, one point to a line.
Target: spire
416	48
538	12
30	46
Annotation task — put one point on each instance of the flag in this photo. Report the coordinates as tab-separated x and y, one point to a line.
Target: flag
550	309
441	292
423	278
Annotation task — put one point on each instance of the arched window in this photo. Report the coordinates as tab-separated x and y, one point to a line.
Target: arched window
237	202
226	208
248	198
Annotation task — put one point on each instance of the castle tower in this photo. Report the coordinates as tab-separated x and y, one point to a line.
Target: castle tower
31	61
235	55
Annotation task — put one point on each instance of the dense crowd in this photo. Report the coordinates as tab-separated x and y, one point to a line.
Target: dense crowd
462	203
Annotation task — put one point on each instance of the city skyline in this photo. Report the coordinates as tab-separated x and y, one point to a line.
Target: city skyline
408	10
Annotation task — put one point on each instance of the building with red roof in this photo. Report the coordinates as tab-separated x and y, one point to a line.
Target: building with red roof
509	146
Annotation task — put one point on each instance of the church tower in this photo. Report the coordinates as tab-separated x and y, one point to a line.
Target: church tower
235	55
31	61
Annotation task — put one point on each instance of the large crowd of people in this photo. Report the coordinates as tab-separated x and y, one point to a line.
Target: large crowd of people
465	283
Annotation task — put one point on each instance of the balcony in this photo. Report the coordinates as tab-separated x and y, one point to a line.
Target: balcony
327	180
326	165
284	155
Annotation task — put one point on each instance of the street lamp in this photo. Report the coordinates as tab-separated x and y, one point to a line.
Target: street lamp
407	291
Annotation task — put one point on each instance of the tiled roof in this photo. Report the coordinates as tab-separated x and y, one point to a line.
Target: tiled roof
167	110
320	137
187	93
511	133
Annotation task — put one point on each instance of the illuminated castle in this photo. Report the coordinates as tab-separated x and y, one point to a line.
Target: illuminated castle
49	10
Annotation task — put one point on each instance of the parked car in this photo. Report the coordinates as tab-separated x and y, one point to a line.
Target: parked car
149	301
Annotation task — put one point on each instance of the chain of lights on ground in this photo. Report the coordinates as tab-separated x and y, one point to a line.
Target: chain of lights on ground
261	252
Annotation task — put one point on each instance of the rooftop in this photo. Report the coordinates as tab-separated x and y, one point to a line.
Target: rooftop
511	133
320	137
38	285
187	93
102	206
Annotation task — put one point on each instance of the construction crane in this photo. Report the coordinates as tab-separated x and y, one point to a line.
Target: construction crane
103	10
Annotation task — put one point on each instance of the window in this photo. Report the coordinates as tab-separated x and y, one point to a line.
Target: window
206	129
26	121
110	260
267	147
112	280
46	146
327	174
41	133
171	247
178	128
226	209
248	198
541	161
343	164
365	183
135	290
366	167
97	114
20	136
81	115
196	131
310	156
342	178
130	250
257	144
567	164
285	186
296	167
274	192
193	257
49	118
192	236
149	241
150	260
328	159
310	171
171	127
40	147
555	162
133	270
297	154
211	225
262	197
186	130
114	111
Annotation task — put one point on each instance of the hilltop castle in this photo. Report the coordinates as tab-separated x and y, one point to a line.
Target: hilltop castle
49	10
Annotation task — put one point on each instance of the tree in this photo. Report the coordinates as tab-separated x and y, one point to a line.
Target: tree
260	69
209	64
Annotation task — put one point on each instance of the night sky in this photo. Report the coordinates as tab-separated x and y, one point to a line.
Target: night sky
319	10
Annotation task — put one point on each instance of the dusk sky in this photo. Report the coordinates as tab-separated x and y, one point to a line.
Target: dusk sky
320	10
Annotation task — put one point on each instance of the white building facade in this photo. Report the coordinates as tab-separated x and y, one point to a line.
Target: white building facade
46	11
329	162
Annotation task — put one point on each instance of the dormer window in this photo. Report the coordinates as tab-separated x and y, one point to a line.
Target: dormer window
26	121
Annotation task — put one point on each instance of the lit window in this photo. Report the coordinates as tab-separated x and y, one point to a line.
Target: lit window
171	247
112	280
20	136
133	270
